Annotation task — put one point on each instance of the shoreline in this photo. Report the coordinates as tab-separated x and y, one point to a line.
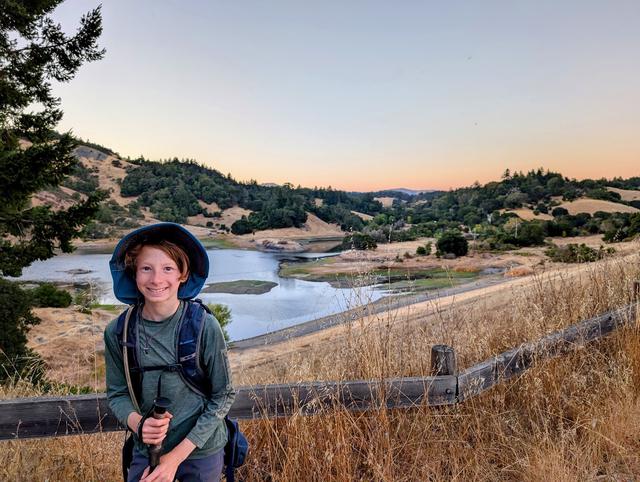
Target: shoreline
383	304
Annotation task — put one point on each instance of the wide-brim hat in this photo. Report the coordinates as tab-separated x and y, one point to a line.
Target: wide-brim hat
124	284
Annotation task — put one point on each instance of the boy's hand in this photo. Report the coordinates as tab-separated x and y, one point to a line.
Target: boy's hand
169	463
155	430
165	472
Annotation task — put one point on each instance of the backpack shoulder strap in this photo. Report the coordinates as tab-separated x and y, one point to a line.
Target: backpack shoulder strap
125	330
189	347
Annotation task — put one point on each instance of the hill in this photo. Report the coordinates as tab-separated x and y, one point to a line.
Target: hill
592	206
183	191
538	198
626	194
142	191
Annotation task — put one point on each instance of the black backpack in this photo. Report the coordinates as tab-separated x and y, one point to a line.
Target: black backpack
188	352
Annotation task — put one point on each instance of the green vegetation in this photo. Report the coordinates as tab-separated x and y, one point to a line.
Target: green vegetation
437	280
217	243
171	190
110	218
108	307
477	210
241	287
82	180
223	315
347	279
452	242
15	320
48	295
359	241
34	52
577	253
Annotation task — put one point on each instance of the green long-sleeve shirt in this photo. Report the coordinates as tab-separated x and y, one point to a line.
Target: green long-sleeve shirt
199	419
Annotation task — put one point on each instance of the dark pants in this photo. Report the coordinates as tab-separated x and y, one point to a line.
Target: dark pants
206	469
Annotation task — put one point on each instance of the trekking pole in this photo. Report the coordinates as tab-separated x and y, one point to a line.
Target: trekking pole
160	406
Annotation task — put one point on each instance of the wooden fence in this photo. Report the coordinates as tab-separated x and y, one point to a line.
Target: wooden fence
72	415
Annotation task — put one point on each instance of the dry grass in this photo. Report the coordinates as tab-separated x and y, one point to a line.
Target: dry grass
527	214
363	216
592	206
626	194
570	419
386	202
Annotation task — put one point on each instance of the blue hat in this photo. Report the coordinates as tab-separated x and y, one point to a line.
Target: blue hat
124	285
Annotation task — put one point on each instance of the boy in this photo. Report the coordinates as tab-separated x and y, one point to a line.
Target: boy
157	269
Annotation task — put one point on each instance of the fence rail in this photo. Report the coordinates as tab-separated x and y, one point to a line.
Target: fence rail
72	415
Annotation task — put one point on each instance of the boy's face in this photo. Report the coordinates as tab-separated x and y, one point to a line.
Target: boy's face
157	276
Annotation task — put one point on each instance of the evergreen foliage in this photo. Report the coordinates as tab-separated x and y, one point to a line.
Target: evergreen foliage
223	315
172	190
34	51
452	242
15	320
82	180
359	241
48	295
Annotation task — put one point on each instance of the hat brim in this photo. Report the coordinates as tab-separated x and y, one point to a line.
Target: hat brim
124	285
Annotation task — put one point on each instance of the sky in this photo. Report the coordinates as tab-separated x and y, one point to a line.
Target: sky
365	95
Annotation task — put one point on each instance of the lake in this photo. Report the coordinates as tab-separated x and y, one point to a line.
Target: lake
293	301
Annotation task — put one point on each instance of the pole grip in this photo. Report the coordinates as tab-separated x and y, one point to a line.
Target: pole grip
160	406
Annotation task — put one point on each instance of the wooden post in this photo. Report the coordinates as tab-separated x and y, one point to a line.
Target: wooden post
443	360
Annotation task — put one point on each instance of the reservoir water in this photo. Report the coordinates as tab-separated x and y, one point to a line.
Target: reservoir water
293	301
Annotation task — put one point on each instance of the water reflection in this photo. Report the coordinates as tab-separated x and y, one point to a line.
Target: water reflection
293	301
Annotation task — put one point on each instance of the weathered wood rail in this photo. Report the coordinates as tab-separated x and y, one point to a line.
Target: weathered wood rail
72	415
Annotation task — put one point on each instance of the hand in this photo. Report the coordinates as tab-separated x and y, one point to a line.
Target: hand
165	472
155	430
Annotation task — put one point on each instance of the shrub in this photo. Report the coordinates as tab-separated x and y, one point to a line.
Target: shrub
452	242
359	241
223	315
48	295
574	253
421	251
16	319
542	208
242	226
557	212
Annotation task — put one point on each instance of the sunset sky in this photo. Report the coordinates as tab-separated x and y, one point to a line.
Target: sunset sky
365	95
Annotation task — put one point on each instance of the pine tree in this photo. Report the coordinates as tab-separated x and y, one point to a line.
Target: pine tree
34	52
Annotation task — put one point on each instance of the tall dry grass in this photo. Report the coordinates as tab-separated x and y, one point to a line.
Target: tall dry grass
570	419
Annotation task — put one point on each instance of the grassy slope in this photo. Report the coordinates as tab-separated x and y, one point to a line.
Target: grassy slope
577	418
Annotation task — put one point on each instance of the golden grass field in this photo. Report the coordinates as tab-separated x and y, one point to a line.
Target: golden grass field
363	216
571	419
386	202
592	206
528	214
626	194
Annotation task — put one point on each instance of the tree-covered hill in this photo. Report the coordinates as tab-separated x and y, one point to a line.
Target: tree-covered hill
175	190
480	210
172	189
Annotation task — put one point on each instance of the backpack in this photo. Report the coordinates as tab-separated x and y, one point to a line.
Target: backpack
187	365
